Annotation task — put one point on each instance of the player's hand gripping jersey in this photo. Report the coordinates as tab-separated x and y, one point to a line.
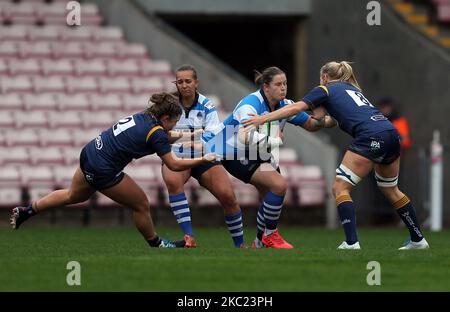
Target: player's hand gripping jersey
202	115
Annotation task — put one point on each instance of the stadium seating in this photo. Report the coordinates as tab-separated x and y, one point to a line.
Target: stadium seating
61	86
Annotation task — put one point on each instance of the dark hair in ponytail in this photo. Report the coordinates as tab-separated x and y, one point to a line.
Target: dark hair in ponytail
164	103
267	75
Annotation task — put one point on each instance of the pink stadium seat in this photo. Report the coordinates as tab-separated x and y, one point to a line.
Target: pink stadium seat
83	136
94	67
152	67
39	101
71	155
246	194
49	84
57	67
46	155
7	120
101	49
136	102
106	102
38	191
126	67
56	137
287	156
82	84
77	101
9	176
80	33
68	49
102	119
311	193
120	84
8	49
22	137
10	196
14	156
70	119
36	175
26	66
4	69
142	174
31	119
44	33
41	49
63	175
132	50
11	101
108	33
16	84
13	33
147	85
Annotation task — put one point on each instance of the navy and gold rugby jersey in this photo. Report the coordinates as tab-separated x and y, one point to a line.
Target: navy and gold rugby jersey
130	138
346	103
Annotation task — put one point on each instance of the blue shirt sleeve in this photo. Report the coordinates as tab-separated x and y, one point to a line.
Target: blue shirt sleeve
299	119
316	97
159	142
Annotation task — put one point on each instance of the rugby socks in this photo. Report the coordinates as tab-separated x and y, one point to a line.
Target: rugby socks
180	208
347	214
406	212
236	229
155	242
30	210
272	205
260	223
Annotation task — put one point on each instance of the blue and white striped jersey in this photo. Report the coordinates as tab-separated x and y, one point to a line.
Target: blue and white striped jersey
254	103
202	115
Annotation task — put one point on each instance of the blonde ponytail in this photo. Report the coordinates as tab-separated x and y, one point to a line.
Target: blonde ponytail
341	71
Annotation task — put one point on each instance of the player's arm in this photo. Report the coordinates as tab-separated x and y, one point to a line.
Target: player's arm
249	135
175	163
158	140
285	112
319	120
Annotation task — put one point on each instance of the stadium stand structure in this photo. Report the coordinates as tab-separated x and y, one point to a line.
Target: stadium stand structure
431	17
60	86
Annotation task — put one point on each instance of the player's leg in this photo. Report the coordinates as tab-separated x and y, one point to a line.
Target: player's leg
353	168
267	178
215	179
386	176
260	221
129	194
79	191
178	202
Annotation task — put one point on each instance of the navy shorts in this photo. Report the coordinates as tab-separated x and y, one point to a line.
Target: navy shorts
243	169
381	148
98	179
198	171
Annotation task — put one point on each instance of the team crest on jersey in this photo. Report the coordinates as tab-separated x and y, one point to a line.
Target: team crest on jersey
375	145
200	115
98	142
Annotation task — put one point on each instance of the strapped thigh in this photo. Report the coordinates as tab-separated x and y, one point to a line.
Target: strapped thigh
385	182
344	173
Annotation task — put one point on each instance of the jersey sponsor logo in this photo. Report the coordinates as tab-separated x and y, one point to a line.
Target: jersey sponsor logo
378	117
98	142
375	145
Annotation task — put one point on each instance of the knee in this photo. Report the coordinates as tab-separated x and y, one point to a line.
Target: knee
228	199
142	206
174	186
280	187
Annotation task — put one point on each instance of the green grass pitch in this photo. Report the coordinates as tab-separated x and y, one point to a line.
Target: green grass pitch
118	259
